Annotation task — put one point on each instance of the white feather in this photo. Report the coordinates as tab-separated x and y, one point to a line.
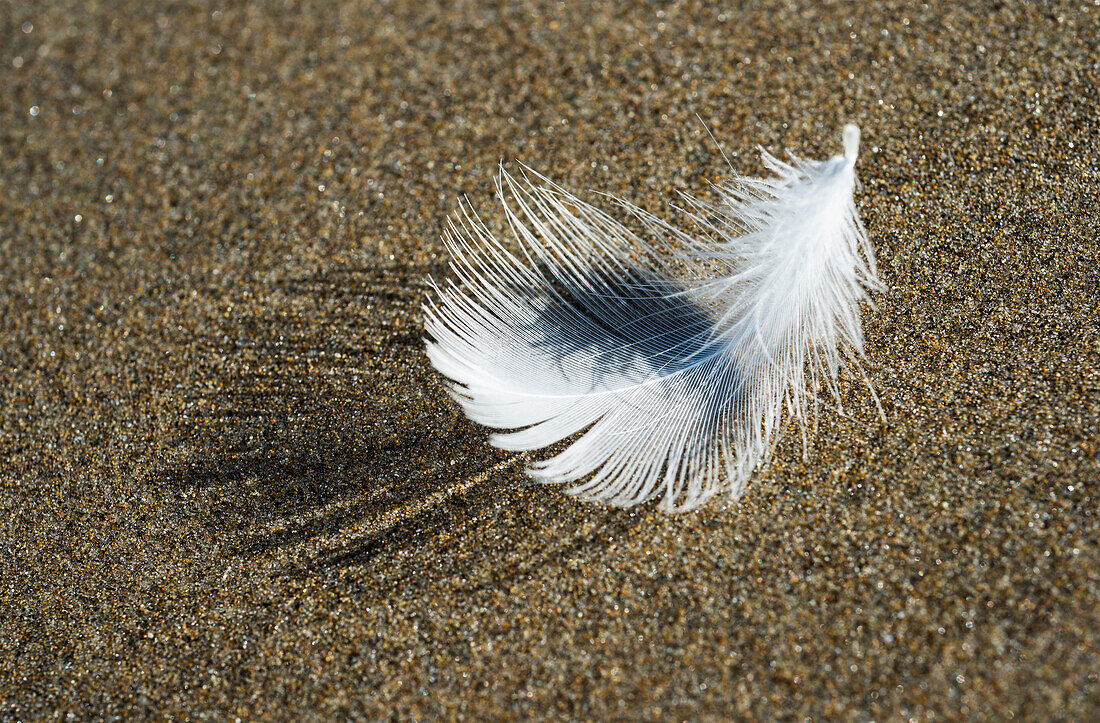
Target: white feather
673	356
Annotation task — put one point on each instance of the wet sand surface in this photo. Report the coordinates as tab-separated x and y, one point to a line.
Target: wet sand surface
231	485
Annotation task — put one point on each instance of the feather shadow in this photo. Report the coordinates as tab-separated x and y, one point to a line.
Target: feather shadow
306	439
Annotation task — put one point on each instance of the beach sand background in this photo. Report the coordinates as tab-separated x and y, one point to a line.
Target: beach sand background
232	485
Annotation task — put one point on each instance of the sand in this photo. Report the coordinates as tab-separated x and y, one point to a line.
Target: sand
232	486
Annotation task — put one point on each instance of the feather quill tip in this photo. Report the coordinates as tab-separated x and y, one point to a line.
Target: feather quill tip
851	142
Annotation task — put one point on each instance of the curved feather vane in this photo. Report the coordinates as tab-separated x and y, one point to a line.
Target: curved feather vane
674	355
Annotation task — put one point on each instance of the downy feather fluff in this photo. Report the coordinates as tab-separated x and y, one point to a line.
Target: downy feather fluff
673	356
